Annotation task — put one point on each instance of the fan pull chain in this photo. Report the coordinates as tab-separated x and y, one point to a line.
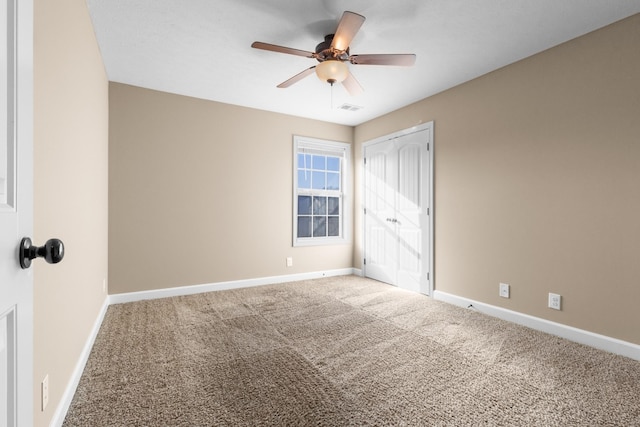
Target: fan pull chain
332	95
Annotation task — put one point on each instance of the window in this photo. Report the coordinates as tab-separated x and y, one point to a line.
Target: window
320	171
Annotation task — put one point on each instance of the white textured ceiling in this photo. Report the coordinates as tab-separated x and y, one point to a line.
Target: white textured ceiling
201	48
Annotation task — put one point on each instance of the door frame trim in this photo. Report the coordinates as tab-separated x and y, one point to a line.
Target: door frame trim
428	126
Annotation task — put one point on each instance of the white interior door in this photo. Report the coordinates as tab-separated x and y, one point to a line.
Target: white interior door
16	211
397	198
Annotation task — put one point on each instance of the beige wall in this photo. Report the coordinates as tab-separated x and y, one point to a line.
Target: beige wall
201	192
70	194
537	182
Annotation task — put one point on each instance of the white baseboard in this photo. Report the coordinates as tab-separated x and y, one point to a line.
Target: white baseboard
220	286
581	336
72	385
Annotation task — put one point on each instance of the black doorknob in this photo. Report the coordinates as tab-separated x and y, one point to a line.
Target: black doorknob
52	252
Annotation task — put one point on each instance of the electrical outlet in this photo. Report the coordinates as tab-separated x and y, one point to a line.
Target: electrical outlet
45	392
289	261
504	290
555	301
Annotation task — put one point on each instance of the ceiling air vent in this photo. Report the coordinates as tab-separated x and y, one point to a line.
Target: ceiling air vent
349	107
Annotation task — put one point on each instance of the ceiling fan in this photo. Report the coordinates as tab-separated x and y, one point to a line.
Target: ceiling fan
333	53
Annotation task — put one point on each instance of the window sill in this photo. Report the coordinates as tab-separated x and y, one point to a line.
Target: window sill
320	241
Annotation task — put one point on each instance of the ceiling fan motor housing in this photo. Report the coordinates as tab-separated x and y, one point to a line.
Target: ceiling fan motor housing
325	52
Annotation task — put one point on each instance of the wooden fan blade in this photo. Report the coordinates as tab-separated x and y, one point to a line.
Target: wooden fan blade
406	60
282	49
348	26
352	85
297	77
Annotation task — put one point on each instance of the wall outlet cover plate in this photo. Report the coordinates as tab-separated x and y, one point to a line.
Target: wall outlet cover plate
504	290
555	301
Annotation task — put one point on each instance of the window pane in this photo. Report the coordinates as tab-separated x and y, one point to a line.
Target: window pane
304	178
319	205
320	162
304	226
319	182
333	206
304	205
304	161
333	181
334	226
319	226
333	163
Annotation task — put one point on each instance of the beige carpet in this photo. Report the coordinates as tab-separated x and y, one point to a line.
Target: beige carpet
341	351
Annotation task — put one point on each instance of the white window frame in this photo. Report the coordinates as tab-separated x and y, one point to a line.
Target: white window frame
313	145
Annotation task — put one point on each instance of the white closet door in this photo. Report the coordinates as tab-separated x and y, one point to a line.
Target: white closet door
380	200
397	186
411	211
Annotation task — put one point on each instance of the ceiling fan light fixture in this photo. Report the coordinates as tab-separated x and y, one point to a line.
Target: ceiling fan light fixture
332	71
